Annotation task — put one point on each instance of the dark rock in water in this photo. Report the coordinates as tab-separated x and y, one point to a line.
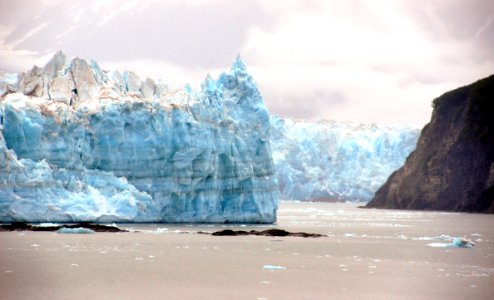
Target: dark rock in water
268	232
15	226
21	226
229	232
273	232
96	227
452	168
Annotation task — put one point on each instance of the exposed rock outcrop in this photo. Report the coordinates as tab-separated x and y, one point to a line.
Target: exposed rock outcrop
452	168
267	232
20	226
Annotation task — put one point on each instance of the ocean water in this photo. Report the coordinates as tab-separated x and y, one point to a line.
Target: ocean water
349	221
366	254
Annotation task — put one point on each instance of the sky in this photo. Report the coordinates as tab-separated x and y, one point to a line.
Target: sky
350	60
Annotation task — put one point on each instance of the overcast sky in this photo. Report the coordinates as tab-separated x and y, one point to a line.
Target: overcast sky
357	60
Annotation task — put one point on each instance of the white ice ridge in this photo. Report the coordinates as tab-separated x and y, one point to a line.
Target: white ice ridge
81	144
329	160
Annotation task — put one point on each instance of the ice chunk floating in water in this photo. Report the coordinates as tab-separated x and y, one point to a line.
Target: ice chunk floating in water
81	144
78	230
273	268
455	243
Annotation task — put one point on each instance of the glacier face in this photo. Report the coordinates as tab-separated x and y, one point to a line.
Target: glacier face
329	160
81	144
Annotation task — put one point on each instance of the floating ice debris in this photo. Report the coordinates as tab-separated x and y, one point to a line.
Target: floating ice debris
8	271
349	234
271	267
475	271
442	237
155	231
387	225
46	225
462	243
265	282
74	265
34	245
77	230
439	245
138	258
454	243
422	238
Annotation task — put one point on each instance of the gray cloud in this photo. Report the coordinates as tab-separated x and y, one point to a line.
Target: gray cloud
12	11
302	105
444	21
208	35
360	60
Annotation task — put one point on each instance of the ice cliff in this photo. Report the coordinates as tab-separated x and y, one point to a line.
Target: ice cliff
81	144
342	161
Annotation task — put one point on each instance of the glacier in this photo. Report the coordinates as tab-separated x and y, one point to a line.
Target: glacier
78	143
328	160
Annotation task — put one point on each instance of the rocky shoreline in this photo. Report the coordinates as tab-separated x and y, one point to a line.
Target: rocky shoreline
93	227
21	226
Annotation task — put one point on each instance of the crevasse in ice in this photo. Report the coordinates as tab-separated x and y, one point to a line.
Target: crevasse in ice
81	144
342	161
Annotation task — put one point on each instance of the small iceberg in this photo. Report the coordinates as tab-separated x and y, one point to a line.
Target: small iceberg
46	225
271	267
457	242
77	230
462	243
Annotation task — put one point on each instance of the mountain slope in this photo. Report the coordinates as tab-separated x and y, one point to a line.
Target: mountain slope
452	168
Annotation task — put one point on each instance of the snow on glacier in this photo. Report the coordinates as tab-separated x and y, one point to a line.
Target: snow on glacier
329	160
78	143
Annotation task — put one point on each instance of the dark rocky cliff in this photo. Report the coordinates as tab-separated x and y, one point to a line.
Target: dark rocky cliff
452	168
